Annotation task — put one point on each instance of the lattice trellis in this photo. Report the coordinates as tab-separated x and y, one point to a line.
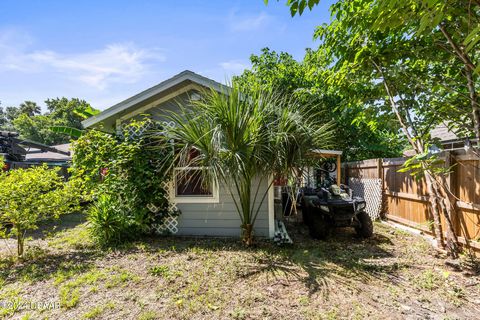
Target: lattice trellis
137	131
371	191
169	222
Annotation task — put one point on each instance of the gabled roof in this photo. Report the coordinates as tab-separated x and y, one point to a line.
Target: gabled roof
443	133
130	103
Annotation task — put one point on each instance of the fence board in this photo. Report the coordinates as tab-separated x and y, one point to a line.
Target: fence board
405	199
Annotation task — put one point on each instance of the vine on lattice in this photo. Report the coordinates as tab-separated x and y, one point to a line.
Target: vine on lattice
166	220
131	170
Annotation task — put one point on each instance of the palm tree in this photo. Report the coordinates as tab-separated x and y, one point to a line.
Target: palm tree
30	108
246	140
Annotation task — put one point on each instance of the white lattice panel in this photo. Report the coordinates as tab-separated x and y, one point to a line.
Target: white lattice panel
371	191
170	222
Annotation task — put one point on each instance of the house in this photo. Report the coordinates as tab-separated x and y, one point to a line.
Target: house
449	140
209	212
204	212
50	158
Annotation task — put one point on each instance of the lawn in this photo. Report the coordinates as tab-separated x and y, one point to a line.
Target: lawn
393	275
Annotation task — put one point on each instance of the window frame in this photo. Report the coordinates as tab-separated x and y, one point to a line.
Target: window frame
214	198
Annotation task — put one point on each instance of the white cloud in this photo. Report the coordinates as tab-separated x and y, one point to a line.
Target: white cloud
248	23
234	66
115	63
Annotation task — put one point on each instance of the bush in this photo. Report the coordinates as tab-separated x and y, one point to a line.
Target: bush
106	222
28	196
123	175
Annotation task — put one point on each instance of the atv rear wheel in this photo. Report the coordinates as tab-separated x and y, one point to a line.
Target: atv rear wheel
319	227
365	230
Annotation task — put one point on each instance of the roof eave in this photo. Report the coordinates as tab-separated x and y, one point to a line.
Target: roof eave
155	90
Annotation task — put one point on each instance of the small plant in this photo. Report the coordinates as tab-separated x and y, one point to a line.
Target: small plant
148	315
239	314
161	270
107	224
429	280
96	311
28	196
69	297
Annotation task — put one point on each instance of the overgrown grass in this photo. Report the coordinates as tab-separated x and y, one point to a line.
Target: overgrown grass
178	278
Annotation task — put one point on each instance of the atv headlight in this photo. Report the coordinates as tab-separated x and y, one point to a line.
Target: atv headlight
325	208
361	206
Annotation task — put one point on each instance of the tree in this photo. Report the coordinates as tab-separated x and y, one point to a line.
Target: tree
29	108
245	139
28	196
454	29
3	118
397	72
36	129
360	133
27	120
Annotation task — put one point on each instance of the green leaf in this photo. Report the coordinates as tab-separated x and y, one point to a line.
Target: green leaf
72	132
86	113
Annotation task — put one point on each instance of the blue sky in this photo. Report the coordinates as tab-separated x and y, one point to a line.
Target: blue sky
106	51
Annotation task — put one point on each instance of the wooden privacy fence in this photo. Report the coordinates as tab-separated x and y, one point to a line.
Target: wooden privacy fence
405	199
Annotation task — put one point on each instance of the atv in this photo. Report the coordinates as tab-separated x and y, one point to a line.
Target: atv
326	208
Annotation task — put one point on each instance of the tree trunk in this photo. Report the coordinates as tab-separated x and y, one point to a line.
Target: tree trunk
20	243
417	144
470	67
247	234
448	208
437	226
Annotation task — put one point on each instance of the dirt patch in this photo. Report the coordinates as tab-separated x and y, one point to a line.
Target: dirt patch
394	275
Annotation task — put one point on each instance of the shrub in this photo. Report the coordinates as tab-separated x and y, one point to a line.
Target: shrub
123	174
106	223
28	196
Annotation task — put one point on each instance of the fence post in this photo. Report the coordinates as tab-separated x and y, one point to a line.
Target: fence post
382	182
380	169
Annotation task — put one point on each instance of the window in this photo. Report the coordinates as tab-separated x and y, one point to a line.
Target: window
190	186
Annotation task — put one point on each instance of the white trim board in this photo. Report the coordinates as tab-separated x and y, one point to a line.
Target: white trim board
153	91
271	209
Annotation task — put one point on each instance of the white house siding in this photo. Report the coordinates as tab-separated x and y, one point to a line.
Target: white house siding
220	219
211	219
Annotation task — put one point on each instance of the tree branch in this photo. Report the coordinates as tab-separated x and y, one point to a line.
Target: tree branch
461	54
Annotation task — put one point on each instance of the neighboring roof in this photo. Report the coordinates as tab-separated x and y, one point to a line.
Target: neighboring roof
131	102
443	133
35	155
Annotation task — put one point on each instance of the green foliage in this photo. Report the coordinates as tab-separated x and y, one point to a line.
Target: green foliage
124	175
419	163
243	139
69	131
299	6
93	153
359	132
28	196
62	113
83	113
107	224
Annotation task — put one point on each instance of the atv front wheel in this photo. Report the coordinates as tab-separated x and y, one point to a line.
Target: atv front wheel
365	229
319	227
